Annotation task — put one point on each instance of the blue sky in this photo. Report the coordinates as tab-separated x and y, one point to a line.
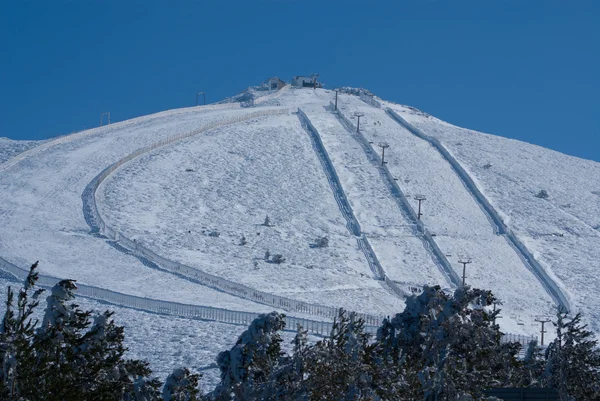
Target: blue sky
525	69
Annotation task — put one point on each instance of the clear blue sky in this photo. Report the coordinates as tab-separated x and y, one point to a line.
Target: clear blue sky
526	69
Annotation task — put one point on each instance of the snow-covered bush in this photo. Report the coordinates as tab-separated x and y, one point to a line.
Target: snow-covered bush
277	259
543	194
267	222
321	242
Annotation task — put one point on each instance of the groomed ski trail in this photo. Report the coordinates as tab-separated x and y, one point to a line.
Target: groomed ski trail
351	222
151	259
500	228
438	257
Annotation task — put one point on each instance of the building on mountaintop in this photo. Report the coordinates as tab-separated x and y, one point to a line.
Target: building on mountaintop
306	82
275	83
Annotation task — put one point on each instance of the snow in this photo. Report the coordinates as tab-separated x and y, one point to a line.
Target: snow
563	230
462	229
240	173
264	168
391	234
41	216
189	343
10	148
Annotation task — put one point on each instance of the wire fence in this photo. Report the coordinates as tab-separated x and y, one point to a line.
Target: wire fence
316	327
97	224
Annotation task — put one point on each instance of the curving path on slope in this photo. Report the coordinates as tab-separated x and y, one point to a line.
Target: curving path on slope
42	220
147	256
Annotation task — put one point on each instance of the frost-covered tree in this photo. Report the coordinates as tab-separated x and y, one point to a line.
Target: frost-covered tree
447	346
342	367
573	360
277	259
321	242
247	367
267	222
72	355
181	385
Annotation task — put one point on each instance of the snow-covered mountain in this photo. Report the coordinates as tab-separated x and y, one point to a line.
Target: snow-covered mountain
195	186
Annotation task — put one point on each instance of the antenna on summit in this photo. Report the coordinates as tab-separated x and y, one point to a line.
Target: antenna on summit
314	76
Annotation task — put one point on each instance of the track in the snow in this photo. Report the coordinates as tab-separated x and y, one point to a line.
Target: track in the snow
500	228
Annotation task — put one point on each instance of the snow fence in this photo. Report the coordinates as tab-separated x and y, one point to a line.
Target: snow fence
315	327
346	209
98	225
322	328
430	245
500	228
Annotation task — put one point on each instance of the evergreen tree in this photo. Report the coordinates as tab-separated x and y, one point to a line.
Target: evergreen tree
181	385
72	355
248	366
447	345
573	360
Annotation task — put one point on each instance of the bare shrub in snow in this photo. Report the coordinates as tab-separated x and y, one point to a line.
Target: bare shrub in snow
543	194
277	259
321	242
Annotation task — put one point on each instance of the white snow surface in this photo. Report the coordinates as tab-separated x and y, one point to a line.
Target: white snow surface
189	343
242	172
265	167
563	231
10	147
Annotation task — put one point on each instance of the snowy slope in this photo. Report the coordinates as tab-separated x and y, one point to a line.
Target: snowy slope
563	230
10	148
41	215
228	179
182	342
390	232
239	175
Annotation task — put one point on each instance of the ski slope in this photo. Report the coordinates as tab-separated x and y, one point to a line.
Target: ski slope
167	201
391	233
311	183
462	229
41	216
562	231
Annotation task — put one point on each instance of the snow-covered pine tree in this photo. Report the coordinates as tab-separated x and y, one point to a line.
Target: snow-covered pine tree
448	345
573	360
181	385
72	355
342	366
248	366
